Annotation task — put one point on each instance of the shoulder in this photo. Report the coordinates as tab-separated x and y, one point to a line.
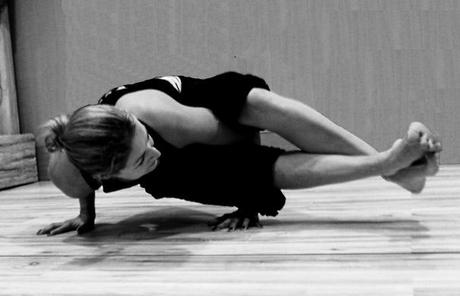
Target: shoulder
154	107
147	101
171	119
66	176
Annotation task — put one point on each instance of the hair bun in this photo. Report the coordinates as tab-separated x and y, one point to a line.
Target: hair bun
53	133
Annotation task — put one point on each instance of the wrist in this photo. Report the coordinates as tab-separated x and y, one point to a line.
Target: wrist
87	216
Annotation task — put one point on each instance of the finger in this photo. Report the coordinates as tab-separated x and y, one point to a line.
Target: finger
234	224
219	220
48	228
222	225
256	223
214	222
246	223
41	231
64	228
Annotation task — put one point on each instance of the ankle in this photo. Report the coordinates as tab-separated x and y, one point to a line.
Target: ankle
386	168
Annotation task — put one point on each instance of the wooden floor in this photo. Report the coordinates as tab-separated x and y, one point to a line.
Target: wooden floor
361	238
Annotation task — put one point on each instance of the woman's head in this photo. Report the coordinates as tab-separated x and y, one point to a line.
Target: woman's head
98	139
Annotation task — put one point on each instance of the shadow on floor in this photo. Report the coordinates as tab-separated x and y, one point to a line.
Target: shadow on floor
159	227
395	229
112	242
149	226
173	221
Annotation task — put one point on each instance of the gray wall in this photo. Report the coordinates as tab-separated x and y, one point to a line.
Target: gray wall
371	66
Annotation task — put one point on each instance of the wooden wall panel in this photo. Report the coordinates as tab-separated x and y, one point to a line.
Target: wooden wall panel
9	119
18	164
371	66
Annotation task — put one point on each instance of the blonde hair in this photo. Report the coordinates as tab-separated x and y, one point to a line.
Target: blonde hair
96	138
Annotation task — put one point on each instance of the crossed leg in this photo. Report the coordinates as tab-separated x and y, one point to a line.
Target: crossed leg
331	154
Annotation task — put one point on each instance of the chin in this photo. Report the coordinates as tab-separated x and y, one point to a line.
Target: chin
153	166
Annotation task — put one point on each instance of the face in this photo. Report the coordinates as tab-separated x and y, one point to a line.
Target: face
143	157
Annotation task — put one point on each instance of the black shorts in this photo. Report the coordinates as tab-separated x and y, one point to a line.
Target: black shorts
224	94
239	175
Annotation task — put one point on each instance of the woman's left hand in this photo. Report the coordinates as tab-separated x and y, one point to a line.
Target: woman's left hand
240	219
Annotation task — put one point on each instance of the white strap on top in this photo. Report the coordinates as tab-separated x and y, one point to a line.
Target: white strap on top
174	80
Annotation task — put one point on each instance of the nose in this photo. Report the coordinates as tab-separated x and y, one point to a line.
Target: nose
155	153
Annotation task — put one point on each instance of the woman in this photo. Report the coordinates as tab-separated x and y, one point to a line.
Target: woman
197	139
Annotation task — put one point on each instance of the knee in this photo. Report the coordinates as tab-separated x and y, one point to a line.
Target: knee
262	99
262	108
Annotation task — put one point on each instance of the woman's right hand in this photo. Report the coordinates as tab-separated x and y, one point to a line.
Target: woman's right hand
81	224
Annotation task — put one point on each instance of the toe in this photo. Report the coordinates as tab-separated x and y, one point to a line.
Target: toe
414	133
420	127
424	143
432	164
434	146
431	146
438	147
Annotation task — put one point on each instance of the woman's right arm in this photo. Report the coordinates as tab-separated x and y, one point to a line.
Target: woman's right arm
69	180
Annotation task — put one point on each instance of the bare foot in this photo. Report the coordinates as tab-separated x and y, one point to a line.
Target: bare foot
412	178
421	148
429	141
432	144
402	154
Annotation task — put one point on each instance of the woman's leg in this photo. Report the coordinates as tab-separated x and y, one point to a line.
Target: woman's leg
306	128
312	132
303	170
